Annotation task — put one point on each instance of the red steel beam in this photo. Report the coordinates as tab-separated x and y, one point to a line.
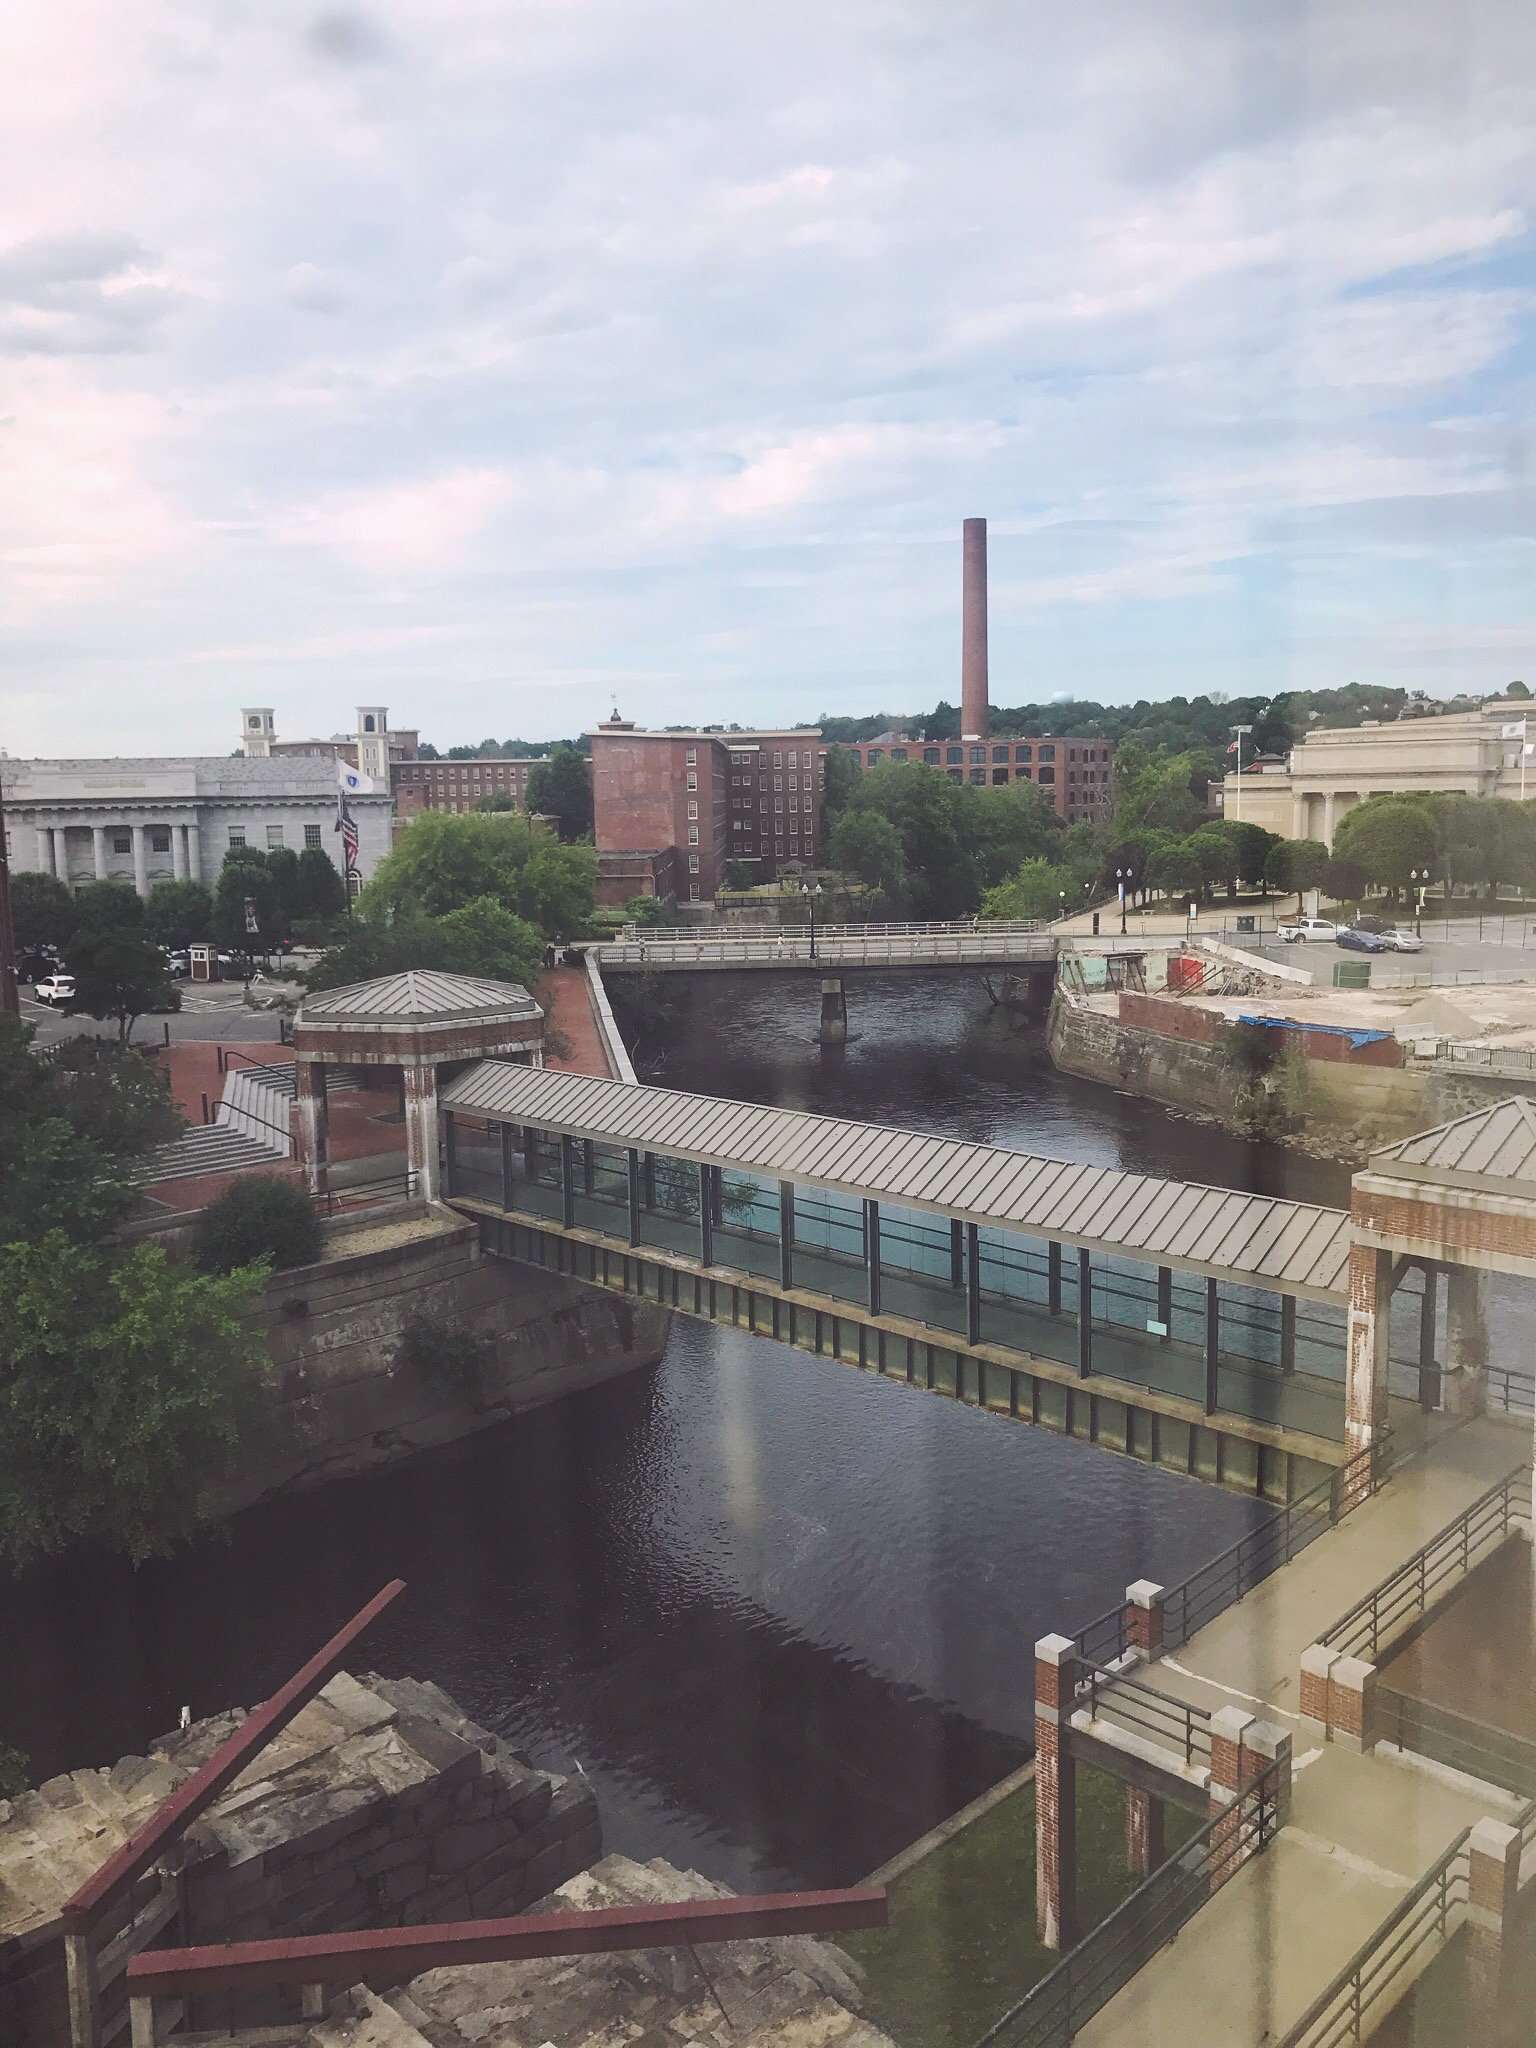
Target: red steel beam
172	1819
381	1956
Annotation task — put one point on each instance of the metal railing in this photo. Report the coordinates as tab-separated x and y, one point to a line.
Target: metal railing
848	944
1405	1596
1492	1755
399	1186
1499	1059
1171	1724
1235	1571
772	928
1387	1965
1051	2012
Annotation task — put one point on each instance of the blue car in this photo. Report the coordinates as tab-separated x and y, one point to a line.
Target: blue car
1354	941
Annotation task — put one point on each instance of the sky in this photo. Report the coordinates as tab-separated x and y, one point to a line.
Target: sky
501	361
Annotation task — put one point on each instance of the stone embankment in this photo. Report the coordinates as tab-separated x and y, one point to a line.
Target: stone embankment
379	1805
341	1400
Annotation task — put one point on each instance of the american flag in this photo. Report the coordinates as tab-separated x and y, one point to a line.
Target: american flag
346	824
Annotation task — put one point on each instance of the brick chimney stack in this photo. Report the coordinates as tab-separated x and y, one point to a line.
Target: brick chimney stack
973	641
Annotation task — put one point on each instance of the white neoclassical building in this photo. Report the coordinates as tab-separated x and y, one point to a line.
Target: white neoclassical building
148	821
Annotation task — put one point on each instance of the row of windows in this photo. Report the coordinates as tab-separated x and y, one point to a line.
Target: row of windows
161	841
805	759
954	757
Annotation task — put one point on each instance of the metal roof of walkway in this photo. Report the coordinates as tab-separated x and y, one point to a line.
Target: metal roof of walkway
1254	1240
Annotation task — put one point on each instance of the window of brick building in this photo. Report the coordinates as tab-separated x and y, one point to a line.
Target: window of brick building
1047	775
1047	753
931	756
953	754
1000	775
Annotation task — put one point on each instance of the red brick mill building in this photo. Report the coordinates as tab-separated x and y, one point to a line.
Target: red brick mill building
1077	774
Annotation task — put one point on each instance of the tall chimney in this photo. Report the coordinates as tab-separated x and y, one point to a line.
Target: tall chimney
973	633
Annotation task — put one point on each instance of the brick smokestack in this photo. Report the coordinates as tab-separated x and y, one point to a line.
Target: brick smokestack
973	641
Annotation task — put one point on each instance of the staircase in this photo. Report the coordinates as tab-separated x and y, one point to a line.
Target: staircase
253	1128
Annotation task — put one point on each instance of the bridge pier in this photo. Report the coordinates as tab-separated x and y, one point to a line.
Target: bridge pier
1055	1793
1466	1340
1145	1832
834	1014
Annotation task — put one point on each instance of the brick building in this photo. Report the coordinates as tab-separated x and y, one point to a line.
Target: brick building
1078	774
455	785
671	808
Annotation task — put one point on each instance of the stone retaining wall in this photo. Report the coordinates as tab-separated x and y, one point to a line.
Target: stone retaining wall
381	1804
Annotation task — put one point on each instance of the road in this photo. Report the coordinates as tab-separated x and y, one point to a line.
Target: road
209	1010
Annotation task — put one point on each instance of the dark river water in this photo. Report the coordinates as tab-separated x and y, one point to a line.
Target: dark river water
780	1611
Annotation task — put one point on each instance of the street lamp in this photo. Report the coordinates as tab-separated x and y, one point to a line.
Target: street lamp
810	896
1237	793
1420	880
1123	884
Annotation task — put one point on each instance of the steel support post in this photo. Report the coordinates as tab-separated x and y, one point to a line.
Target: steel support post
567	1181
588	1166
872	1254
1287	1333
706	1217
1165	1300
508	1168
1053	1278
1212	1343
450	1152
972	1283
786	1233
1084	1312
648	1179
633	1178
956	1254
1429	1371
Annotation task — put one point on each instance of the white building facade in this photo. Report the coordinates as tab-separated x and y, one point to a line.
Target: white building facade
164	820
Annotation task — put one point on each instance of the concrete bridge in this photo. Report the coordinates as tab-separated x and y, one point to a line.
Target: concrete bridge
1203	1329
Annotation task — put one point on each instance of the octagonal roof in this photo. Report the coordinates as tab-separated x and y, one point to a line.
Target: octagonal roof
1493	1148
416	999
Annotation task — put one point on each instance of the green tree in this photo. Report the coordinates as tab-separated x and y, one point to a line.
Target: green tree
498	800
942	870
258	1216
737	876
1344	879
108	907
42	912
179	914
118	974
840	777
125	1382
1155	790
1252	844
1388	836
560	787
1007	825
864	844
1216	856
481	938
1178	872
246	892
1298	864
283	867
447	859
644	910
1035	891
322	892
118	1098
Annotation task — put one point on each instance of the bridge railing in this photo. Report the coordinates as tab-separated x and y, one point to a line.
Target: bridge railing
1170	1724
1493	1755
1402	1599
773	929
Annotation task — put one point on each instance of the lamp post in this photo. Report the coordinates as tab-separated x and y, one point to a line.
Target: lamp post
1063	895
1123	879
1420	880
1237	793
810	896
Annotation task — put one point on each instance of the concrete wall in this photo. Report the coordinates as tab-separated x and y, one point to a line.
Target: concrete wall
339	1402
381	1805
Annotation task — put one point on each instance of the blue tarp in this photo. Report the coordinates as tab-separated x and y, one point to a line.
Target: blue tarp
1356	1035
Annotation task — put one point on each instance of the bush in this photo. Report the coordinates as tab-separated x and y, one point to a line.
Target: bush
444	1352
13	1772
260	1217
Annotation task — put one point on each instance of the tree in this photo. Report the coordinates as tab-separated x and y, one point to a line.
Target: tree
1252	844
447	859
1007	825
1298	864
120	1099
283	867
1388	836
1343	879
1035	891
322	892
840	775
644	910
246	893
942	870
1178	873
1154	790
42	912
1216	855
737	876
560	787
865	845
125	1382
108	907
179	914
498	800
118	974
258	1216
481	938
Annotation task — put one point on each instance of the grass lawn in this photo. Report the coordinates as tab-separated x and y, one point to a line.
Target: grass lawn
961	1947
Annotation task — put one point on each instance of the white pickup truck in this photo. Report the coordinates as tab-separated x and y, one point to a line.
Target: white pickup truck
1298	929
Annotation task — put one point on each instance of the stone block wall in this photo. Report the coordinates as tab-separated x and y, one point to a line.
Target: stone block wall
380	1805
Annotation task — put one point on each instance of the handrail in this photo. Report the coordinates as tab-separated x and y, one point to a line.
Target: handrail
1145	1711
382	1956
1494	1755
1224	1579
1062	2002
1407	1590
170	1821
1342	2010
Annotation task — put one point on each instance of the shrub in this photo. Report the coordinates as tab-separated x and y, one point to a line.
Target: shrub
444	1352
13	1772
260	1217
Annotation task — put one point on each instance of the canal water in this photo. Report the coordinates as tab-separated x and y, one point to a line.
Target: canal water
781	1612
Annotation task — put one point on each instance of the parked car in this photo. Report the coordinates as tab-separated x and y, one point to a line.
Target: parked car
1401	940
54	989
178	964
1304	928
1368	921
1353	940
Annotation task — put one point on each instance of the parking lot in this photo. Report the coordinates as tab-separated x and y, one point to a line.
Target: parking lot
208	1010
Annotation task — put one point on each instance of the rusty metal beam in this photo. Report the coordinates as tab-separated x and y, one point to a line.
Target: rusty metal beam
381	1956
171	1820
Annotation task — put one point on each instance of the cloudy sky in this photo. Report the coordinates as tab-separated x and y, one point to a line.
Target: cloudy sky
498	360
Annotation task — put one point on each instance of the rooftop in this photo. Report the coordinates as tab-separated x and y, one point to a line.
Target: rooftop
1492	1150
419	997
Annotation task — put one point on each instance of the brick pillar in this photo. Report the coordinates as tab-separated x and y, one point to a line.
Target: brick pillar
1317	1660
1268	1748
314	1139
1493	1878
1055	1793
1229	1725
1365	1368
1144	1845
1352	1703
1465	1386
1144	1619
